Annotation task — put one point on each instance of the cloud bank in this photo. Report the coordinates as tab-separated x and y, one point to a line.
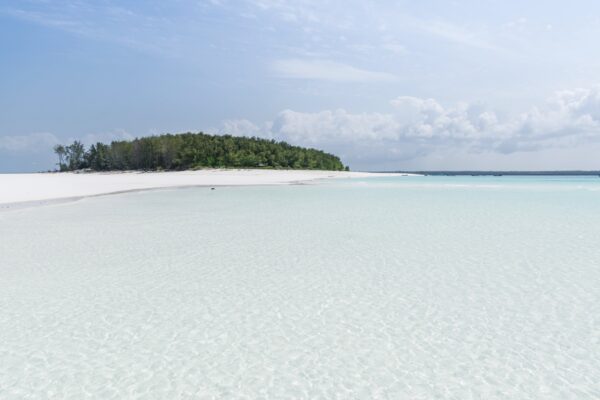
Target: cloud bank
562	132
34	142
416	127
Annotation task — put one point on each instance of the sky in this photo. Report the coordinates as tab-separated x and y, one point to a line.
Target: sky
386	85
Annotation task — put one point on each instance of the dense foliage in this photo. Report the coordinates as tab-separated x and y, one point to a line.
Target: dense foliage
193	150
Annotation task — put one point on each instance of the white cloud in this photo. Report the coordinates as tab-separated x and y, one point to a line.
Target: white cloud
34	142
104	137
416	127
43	142
452	33
325	70
239	127
354	16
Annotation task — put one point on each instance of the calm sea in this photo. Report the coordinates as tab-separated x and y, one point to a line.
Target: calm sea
394	287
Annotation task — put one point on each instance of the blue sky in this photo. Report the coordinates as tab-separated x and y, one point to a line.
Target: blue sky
484	84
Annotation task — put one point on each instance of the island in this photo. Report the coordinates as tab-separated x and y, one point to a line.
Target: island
185	151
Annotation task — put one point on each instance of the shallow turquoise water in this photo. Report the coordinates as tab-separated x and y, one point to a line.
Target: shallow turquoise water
413	287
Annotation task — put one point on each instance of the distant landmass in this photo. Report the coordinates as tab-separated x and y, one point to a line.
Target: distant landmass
501	173
192	151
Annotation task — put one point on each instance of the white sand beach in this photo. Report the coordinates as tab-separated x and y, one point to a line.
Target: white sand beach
42	187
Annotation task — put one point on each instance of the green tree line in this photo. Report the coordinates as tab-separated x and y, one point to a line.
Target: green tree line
190	151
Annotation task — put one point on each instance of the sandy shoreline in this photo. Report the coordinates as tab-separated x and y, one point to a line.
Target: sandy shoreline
43	188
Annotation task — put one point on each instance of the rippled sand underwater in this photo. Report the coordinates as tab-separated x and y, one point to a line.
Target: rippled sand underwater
399	288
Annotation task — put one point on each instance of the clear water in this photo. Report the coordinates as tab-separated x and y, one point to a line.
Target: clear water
400	288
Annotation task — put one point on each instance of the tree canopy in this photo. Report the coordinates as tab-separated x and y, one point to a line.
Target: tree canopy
191	151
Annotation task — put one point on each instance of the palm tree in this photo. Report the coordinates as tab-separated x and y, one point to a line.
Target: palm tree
60	150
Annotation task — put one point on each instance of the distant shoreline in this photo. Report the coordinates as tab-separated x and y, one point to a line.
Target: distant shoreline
499	173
